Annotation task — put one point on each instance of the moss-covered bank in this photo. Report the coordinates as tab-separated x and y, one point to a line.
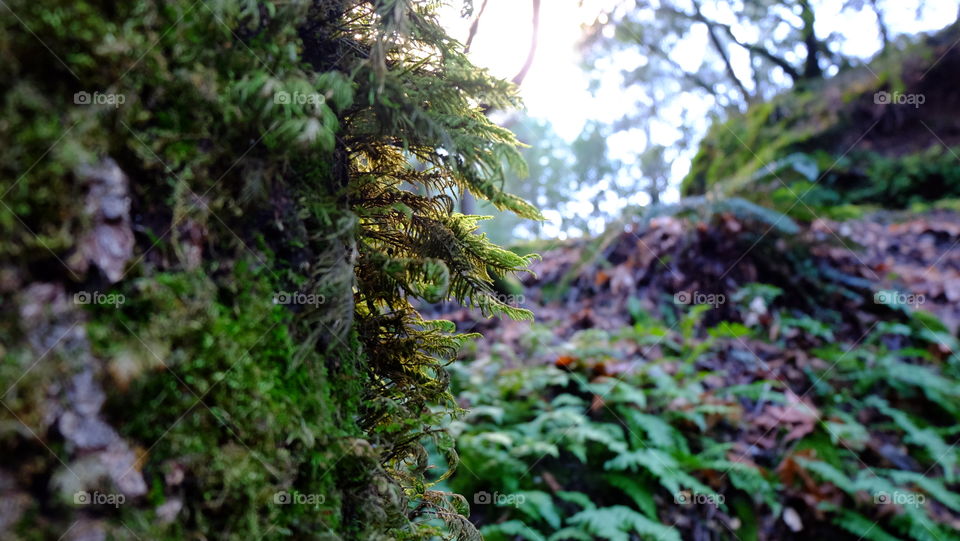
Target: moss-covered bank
206	251
883	135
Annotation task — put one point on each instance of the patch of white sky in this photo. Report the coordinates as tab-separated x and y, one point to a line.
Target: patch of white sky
557	89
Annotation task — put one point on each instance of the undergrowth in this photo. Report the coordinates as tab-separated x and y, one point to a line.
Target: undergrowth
667	440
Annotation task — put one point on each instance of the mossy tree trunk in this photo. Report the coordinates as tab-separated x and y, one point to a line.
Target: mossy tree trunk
206	259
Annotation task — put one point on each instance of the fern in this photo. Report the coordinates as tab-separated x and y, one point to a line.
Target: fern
650	449
578	498
861	526
509	530
539	506
451	509
571	532
931	486
921	527
938	389
913	521
638	490
617	522
615	391
659	433
829	473
348	196
704	208
661	465
747	478
927	438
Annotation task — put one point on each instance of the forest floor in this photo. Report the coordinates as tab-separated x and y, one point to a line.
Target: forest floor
799	301
917	255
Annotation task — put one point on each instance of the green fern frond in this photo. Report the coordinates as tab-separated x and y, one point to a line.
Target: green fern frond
539	506
861	526
571	532
578	498
662	465
617	522
829	473
931	486
511	529
638	489
659	433
940	452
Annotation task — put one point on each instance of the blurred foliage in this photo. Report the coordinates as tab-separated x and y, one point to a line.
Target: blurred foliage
753	51
567	181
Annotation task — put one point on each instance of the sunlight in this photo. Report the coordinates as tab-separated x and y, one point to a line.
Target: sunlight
555	81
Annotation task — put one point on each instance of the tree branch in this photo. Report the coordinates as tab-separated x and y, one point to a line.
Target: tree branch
522	74
788	68
811	69
474	27
881	25
721	50
762	51
692	78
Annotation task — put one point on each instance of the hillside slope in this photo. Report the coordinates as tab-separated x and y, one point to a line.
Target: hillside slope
882	135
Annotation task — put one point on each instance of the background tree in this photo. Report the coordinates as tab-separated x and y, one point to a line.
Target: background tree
567	180
755	49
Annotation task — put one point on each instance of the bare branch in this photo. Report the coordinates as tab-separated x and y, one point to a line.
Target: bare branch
721	50
475	26
788	68
881	25
522	74
811	69
762	51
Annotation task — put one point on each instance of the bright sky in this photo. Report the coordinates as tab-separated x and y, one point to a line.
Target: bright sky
556	88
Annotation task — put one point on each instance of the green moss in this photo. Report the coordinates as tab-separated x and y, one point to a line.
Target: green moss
952	204
237	196
755	155
734	152
216	393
